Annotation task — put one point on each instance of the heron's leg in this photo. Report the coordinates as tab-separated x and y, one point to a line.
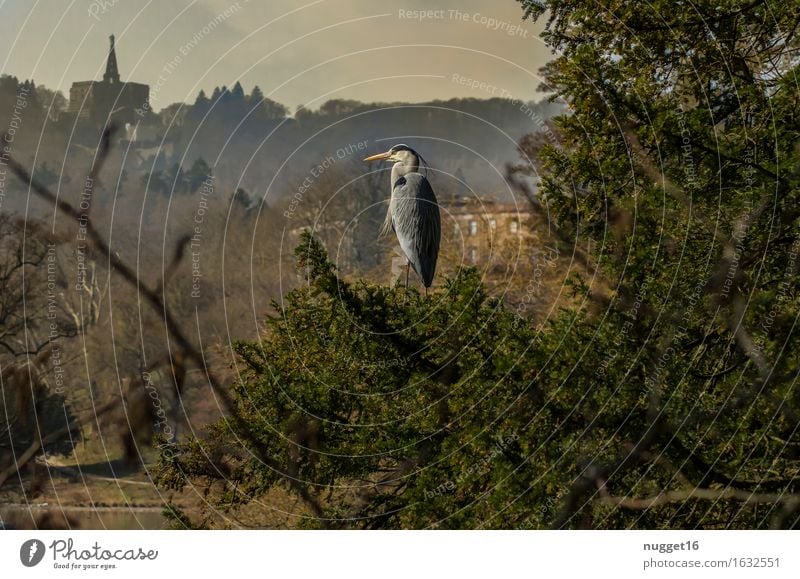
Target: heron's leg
408	269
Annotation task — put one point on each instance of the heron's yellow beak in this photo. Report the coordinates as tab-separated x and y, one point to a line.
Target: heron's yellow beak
380	157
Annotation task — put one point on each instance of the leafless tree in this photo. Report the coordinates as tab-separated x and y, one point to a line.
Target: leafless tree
154	296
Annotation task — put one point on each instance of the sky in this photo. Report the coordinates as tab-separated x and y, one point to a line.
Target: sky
300	52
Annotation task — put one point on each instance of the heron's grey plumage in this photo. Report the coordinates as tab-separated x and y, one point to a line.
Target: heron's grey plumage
414	213
416	222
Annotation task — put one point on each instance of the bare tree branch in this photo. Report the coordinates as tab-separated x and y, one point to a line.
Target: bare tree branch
701	494
173	327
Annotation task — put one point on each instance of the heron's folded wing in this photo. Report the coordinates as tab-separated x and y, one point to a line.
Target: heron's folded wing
417	223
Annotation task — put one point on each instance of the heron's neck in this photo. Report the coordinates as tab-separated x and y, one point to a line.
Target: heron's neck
400	169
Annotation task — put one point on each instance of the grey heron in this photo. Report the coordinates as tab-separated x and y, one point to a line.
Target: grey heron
413	212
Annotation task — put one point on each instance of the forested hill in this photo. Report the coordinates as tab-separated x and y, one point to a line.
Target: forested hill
256	144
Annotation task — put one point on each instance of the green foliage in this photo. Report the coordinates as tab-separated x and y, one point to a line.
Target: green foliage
379	397
669	400
678	166
400	411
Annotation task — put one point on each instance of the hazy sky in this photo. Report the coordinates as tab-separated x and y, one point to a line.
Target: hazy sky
298	52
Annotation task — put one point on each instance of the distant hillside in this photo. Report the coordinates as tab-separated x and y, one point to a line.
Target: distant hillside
250	142
253	143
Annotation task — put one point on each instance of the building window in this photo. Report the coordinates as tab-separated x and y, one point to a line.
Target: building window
456	228
514	226
473	228
493	224
473	254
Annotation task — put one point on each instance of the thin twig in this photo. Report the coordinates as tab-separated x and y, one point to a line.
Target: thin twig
171	323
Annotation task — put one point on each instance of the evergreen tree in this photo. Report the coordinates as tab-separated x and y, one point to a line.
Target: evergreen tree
665	398
198	173
237	93
225	95
256	97
201	101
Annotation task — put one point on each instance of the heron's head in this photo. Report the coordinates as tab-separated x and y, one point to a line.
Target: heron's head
399	154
